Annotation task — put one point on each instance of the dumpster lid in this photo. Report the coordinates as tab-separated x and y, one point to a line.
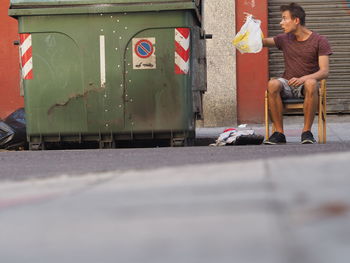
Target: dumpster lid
52	7
34	3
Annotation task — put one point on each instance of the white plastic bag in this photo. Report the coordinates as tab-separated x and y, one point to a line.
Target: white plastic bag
249	38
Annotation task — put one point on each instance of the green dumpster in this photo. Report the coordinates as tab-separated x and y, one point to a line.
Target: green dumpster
111	70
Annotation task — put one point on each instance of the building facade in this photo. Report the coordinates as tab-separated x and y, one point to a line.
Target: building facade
10	98
236	82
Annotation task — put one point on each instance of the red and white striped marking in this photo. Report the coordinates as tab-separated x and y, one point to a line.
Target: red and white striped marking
182	50
26	56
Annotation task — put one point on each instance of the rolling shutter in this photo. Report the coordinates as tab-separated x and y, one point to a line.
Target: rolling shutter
331	19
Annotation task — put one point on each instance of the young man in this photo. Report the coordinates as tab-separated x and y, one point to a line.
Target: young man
306	59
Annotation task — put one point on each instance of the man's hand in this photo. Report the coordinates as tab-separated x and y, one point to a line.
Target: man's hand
268	41
296	82
321	74
246	16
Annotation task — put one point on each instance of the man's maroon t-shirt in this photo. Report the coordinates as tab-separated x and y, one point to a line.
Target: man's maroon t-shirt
301	57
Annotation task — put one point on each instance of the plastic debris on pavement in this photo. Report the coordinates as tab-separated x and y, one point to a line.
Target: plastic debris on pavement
240	136
13	131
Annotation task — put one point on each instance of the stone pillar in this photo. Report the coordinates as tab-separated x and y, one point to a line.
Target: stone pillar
220	100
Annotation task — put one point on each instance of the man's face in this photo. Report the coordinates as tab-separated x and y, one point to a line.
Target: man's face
288	24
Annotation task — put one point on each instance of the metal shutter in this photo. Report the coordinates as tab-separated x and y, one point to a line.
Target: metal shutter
331	19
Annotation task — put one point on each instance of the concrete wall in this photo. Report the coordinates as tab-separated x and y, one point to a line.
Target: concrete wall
220	99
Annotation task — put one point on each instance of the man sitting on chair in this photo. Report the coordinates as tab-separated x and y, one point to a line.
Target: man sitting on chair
306	59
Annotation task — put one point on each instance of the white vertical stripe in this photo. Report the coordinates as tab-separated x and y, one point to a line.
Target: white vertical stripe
183	65
27	67
102	61
26	45
184	42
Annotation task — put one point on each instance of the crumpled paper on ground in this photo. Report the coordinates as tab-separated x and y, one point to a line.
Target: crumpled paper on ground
230	136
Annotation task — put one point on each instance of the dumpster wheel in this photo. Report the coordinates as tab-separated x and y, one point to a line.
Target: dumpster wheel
36	146
182	142
107	145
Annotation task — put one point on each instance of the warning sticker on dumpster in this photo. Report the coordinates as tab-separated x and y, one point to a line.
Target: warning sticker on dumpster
144	56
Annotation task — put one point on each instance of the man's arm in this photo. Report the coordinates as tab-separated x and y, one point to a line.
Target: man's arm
323	62
268	42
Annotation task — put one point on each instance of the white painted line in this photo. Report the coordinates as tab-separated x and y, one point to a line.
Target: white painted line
102	61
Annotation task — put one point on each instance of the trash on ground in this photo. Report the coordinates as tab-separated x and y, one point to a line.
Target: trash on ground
240	136
13	131
249	38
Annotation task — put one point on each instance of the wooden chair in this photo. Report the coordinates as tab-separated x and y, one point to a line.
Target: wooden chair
295	105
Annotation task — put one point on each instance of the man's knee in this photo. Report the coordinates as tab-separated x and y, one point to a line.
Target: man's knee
310	87
274	86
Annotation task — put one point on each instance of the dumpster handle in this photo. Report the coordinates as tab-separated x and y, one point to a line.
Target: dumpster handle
207	36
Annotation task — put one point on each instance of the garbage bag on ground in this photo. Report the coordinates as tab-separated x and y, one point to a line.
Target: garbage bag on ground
249	38
13	130
240	136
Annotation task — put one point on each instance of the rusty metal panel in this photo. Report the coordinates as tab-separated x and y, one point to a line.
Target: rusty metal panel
331	19
251	69
10	98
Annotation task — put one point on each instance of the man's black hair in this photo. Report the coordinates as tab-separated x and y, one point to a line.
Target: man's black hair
296	11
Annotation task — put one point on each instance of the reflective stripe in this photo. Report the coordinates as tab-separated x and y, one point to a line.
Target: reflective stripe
182	50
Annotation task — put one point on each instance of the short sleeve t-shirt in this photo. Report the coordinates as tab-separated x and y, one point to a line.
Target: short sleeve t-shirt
301	57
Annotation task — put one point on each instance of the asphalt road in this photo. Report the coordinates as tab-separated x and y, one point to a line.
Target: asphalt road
277	210
24	165
192	204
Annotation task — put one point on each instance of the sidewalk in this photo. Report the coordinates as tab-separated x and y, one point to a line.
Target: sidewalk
279	210
338	129
292	209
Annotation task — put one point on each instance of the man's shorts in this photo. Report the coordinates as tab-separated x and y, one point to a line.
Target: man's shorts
289	92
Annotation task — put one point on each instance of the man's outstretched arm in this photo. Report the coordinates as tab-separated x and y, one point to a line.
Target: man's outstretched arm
268	42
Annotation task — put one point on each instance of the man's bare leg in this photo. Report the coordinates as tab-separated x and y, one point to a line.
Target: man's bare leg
275	104
310	103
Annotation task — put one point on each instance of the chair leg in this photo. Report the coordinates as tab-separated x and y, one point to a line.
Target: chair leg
322	115
320	126
324	124
320	120
267	128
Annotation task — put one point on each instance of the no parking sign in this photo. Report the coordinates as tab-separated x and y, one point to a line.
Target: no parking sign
144	53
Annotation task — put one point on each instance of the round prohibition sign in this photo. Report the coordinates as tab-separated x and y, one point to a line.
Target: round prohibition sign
144	48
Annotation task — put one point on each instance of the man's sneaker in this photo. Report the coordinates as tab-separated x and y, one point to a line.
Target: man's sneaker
276	138
307	138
